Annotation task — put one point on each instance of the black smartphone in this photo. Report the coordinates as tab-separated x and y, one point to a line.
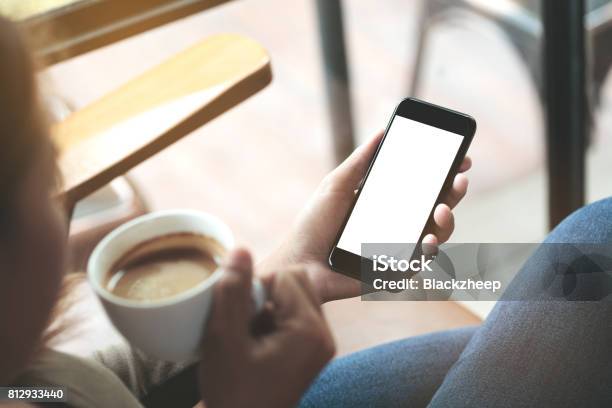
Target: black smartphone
415	163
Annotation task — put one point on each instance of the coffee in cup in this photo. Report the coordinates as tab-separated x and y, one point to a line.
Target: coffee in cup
163	322
164	266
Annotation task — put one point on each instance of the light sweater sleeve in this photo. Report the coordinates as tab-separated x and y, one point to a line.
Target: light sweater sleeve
88	383
138	372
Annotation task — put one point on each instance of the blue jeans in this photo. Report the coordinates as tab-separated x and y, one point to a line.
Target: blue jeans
526	354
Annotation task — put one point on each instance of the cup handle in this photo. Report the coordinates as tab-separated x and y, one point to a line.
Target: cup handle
258	292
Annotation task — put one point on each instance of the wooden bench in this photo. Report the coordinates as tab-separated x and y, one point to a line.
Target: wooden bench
112	135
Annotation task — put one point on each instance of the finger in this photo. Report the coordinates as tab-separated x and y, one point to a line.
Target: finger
232	303
466	164
289	294
430	244
307	286
457	191
267	279
299	321
239	261
444	223
348	175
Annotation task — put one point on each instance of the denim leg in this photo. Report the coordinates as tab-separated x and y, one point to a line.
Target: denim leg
540	354
403	373
590	224
526	354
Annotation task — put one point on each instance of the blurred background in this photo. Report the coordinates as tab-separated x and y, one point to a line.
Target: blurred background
257	164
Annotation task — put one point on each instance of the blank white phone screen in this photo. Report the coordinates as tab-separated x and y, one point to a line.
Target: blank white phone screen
402	187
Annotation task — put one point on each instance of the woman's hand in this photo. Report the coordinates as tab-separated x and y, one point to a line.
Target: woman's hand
317	226
273	369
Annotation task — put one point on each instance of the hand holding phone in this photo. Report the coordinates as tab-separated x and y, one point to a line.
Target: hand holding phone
415	164
317	226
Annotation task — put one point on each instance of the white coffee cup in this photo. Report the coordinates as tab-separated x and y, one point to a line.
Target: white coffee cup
169	329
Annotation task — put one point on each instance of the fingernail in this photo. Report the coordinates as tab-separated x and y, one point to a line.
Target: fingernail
239	258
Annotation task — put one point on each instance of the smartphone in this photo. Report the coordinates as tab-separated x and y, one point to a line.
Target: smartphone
415	163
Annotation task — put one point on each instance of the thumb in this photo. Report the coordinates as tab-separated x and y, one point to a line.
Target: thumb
232	303
348	174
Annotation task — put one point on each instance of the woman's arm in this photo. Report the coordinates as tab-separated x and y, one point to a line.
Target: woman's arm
315	230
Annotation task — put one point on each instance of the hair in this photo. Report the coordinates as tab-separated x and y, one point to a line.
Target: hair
24	128
22	123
